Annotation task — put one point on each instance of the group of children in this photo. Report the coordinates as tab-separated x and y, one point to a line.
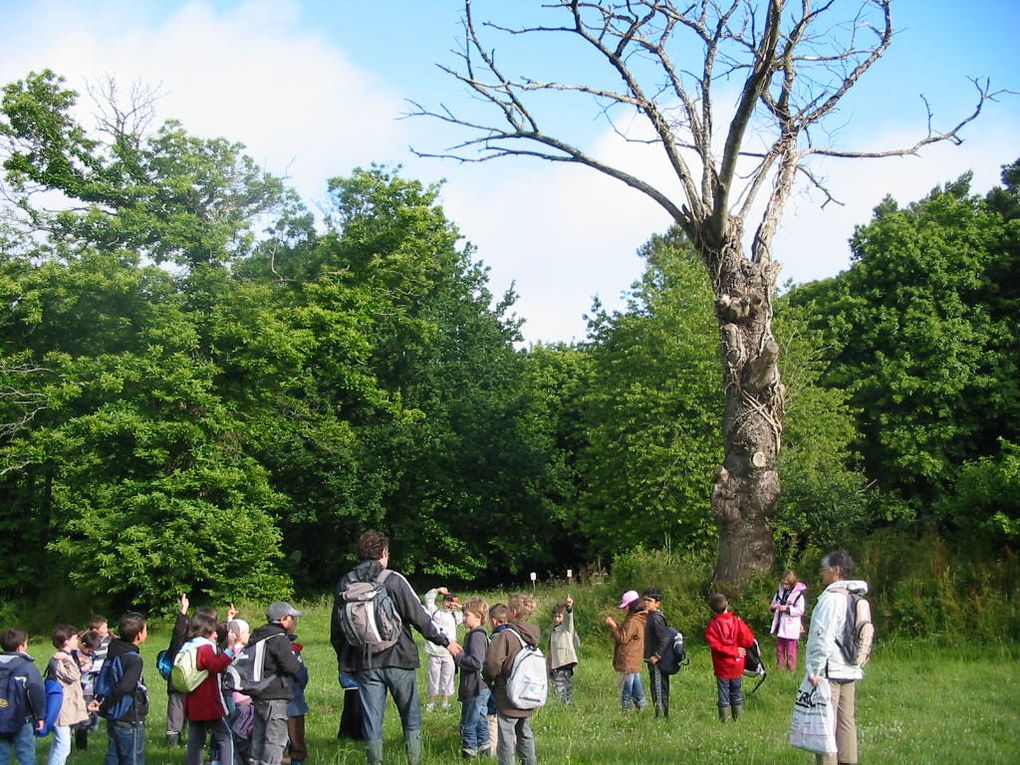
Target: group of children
92	676
489	724
242	728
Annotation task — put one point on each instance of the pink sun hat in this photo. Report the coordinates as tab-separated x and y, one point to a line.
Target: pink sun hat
628	597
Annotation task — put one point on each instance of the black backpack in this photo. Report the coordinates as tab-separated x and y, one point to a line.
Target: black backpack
675	656
754	666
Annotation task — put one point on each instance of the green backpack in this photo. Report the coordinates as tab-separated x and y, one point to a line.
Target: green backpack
185	675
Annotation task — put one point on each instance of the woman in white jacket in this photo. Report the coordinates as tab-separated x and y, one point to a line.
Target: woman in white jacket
824	657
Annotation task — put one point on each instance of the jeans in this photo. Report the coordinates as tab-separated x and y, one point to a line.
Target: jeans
125	743
22	744
61	746
731	692
519	728
402	685
269	734
659	687
632	689
474	723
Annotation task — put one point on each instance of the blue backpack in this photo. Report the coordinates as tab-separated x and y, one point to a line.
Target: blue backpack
164	664
109	676
13	702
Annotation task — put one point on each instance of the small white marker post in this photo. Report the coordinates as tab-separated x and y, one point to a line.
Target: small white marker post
570	576
534	578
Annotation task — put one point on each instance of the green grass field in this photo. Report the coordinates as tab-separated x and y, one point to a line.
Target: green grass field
914	706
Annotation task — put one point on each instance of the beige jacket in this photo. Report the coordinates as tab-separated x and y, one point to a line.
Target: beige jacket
65	669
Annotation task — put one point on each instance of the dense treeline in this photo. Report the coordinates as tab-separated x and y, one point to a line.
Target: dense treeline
202	386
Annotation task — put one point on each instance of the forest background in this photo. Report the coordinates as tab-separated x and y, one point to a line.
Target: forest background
205	389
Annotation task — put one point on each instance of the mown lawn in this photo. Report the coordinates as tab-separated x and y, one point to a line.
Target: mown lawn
916	705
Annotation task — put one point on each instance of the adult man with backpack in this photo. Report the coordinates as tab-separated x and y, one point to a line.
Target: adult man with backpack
373	612
23	699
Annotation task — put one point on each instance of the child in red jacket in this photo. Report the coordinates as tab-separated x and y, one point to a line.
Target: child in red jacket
728	636
204	707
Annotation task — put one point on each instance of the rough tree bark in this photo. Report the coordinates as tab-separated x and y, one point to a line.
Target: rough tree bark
790	78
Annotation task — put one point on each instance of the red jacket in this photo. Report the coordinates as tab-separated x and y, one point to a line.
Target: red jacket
206	701
726	632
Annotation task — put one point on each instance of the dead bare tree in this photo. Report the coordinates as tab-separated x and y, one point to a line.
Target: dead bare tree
674	65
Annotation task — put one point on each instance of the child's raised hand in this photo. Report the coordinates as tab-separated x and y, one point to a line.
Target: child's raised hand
231	612
569	601
610	622
184	602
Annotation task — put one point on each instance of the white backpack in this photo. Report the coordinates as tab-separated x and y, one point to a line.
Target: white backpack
527	683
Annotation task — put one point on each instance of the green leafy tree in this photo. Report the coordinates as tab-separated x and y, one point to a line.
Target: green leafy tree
651	409
825	502
167	195
131	476
923	327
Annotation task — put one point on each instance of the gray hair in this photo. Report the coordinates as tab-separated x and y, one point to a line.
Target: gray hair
840	559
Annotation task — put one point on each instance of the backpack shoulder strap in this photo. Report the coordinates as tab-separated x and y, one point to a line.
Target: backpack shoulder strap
383	575
519	636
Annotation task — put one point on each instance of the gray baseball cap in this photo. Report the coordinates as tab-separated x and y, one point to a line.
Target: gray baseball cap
280	610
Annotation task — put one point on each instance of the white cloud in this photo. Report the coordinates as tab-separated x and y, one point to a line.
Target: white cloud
301	107
254	74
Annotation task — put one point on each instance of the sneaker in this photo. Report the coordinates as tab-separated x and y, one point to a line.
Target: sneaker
468	753
446	706
430	707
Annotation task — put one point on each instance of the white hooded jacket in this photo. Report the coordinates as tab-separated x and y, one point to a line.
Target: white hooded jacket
824	658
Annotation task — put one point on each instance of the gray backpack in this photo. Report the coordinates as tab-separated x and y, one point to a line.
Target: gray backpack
527	683
368	615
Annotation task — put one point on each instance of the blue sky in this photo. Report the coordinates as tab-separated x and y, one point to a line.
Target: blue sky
315	89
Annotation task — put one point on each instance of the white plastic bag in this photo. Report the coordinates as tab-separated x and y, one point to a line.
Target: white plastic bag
814	720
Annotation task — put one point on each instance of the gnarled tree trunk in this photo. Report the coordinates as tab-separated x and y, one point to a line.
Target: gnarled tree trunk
747	483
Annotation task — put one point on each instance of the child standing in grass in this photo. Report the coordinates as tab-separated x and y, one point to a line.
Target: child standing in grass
787	608
563	643
297	707
514	724
728	636
15	661
657	642
204	707
498	620
88	643
64	669
126	705
473	692
440	668
629	651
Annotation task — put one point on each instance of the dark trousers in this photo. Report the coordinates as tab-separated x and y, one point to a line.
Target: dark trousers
659	682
